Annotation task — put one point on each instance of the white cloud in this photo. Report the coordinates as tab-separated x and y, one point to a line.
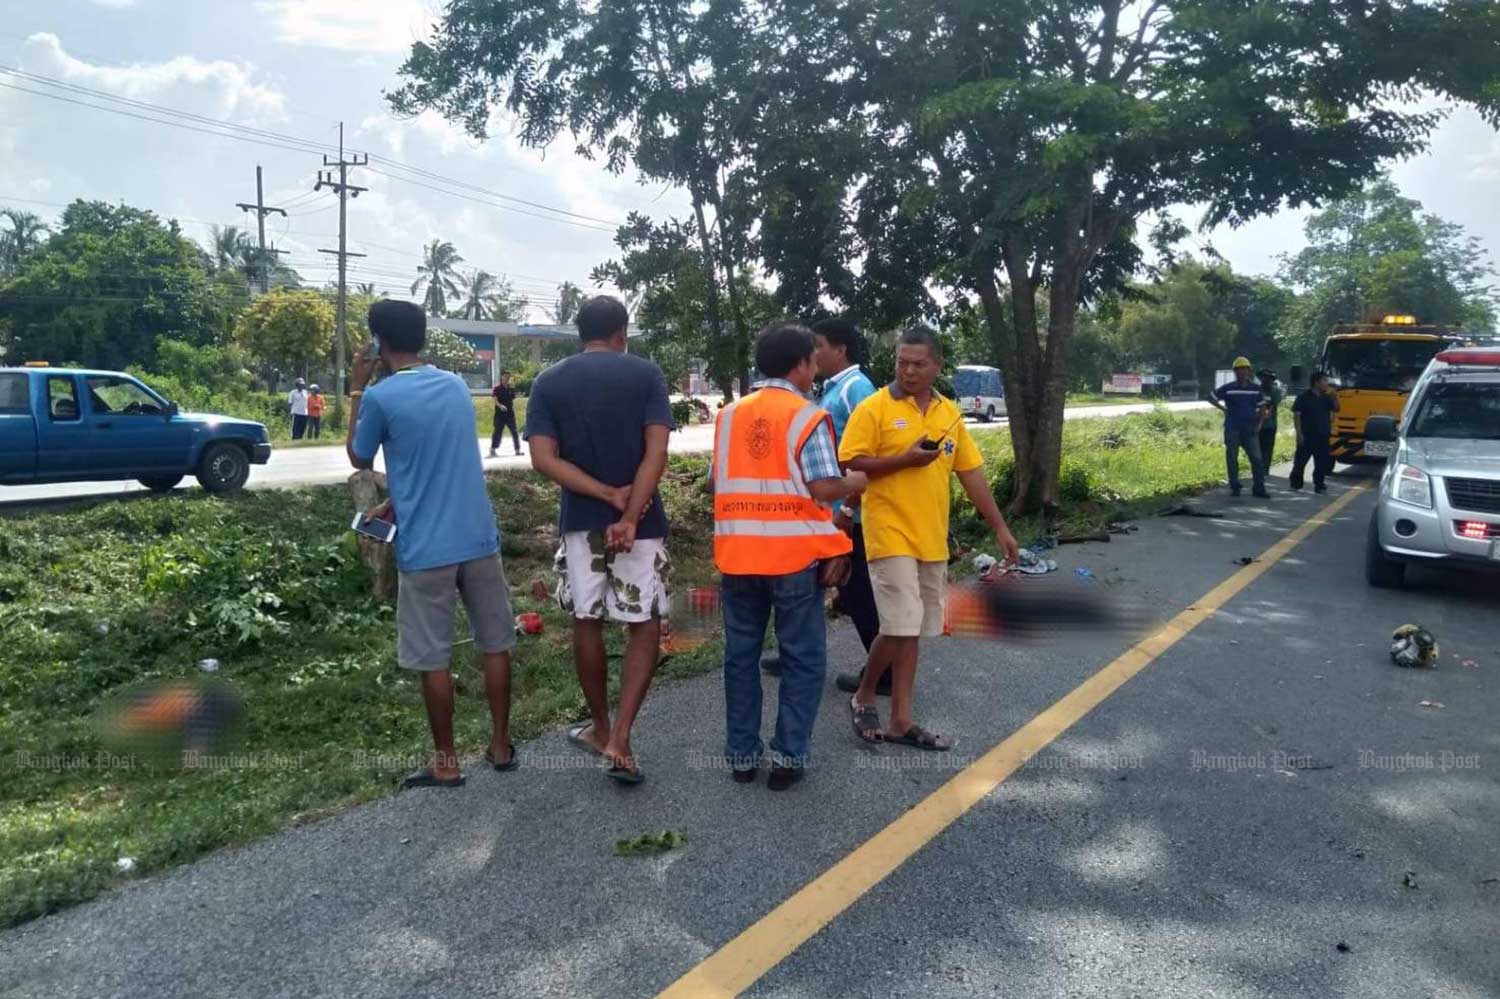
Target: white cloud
369	26
220	87
1485	164
114	3
39	185
428	128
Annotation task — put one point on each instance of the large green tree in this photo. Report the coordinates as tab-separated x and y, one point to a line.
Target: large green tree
1175	325
106	286
1376	253
291	330
669	87
1008	148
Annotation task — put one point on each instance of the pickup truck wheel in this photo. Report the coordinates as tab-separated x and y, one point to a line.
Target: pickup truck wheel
161	483
223	469
1381	571
989	415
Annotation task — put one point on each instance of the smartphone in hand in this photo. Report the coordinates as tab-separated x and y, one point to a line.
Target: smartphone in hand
380	530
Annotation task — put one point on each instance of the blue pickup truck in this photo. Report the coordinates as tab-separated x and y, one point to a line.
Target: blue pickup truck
61	425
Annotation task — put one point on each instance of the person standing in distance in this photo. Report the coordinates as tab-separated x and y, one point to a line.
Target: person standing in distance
908	439
315	412
598	424
1312	415
296	404
505	415
1270	388
447	542
1243	405
775	469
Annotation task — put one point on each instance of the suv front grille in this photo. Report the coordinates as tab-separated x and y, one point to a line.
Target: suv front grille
1479	495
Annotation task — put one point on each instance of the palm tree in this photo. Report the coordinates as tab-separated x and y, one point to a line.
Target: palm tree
24	237
486	295
232	248
569	299
438	270
366	288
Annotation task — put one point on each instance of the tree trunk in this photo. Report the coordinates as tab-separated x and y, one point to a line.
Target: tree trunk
368	489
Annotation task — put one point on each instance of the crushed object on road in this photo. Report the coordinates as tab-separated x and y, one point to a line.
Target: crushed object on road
1413	646
1188	510
1429	704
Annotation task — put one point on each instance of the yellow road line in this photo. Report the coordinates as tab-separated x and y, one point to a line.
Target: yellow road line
769	941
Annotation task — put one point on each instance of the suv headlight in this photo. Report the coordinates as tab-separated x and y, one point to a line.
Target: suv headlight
1411	485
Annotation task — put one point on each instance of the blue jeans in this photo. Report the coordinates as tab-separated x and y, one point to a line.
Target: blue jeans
1249	439
748	602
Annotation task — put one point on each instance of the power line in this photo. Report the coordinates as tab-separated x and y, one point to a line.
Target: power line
280	140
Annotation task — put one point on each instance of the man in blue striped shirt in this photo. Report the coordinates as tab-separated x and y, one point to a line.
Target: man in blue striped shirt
841	350
1244	408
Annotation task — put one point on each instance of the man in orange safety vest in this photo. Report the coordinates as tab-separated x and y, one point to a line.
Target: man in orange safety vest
775	474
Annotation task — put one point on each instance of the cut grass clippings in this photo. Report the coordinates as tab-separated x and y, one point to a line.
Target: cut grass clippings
98	598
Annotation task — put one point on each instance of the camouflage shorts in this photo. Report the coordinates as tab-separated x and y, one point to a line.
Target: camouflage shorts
594	583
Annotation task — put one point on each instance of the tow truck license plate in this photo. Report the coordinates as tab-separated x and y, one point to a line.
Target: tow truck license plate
1495	550
1380	449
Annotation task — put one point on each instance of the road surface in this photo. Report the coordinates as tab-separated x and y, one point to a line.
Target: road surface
1253	802
306	466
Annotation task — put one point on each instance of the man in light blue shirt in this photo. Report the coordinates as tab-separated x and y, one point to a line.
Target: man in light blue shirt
447	541
840	351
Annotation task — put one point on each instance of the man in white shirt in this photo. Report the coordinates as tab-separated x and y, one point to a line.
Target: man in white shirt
296	402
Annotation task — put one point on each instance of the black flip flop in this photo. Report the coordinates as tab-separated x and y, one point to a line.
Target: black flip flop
865	718
624	775
575	736
508	765
919	738
426	778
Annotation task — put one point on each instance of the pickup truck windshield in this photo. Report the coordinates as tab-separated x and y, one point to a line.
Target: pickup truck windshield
1459	410
112	394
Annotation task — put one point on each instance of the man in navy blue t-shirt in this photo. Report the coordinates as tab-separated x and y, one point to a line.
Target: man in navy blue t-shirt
598	424
1244	407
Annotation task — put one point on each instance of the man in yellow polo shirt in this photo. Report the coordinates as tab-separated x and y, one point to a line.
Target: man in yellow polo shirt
907	439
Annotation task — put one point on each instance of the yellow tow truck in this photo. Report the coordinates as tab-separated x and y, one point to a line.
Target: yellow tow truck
1374	367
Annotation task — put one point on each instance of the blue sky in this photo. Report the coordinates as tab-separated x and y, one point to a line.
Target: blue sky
301	66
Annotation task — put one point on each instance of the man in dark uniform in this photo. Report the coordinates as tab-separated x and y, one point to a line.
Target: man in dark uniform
1312	414
505	415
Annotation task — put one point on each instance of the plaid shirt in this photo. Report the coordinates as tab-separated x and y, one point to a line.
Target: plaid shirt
820	457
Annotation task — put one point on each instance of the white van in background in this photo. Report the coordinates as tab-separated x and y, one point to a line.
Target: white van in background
978	391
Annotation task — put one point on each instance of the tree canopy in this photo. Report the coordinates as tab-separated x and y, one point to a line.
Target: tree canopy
1376	253
289	329
106	286
1000	152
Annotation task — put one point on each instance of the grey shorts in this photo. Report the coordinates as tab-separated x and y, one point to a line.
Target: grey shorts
426	600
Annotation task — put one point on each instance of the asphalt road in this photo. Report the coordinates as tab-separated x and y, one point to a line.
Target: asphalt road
1211	828
305	466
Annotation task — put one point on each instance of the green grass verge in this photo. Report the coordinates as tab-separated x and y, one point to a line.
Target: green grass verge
98	599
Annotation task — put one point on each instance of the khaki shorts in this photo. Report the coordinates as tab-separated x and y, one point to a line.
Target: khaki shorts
909	596
426	601
595	584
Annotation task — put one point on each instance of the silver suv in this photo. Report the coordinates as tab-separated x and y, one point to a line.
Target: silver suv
1439	501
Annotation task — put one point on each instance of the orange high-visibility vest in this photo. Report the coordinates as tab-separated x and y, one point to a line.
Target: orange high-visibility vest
766	522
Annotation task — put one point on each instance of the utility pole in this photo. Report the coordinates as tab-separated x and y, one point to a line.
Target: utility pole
345	191
261	210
